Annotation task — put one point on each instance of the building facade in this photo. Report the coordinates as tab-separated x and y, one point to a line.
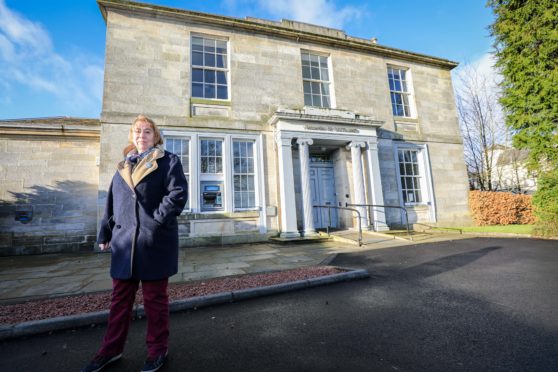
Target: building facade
273	118
270	119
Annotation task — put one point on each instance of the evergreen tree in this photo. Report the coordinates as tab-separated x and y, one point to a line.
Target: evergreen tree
526	43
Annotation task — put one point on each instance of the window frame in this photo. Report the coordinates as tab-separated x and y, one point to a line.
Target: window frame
330	84
187	175
426	183
226	69
253	173
196	177
407	95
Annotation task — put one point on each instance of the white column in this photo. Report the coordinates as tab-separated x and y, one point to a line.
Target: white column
358	181
287	190
378	213
307	207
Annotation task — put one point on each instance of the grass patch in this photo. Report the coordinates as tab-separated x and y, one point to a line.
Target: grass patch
510	229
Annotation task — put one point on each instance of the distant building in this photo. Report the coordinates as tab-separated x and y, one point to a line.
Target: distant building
273	118
509	171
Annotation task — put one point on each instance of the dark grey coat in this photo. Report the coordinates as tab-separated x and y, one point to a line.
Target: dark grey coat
140	217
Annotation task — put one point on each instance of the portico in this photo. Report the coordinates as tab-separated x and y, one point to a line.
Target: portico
329	156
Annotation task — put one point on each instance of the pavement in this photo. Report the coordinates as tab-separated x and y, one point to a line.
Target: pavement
38	276
475	304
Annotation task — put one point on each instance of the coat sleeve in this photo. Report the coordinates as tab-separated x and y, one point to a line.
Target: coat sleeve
174	201
107	222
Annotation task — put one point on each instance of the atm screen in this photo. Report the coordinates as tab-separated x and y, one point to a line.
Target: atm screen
212	188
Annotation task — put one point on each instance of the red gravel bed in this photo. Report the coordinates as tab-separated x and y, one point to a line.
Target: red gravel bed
88	303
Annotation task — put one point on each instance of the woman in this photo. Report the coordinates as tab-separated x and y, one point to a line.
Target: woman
139	226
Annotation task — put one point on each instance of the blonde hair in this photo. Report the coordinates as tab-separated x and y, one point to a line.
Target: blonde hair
158	139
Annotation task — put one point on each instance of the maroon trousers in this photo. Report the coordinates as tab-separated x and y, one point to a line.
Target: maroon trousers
156	305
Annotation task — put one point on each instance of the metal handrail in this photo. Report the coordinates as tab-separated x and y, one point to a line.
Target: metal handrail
345	208
386	206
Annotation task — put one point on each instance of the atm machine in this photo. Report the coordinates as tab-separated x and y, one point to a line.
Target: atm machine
211	196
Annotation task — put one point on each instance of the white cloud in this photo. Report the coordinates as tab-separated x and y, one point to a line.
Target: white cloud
22	31
29	61
318	12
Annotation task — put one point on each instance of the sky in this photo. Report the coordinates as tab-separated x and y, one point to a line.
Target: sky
52	51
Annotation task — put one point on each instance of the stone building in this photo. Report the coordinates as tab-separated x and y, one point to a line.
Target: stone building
49	179
271	119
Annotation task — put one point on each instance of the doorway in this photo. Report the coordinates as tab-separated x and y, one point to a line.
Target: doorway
322	182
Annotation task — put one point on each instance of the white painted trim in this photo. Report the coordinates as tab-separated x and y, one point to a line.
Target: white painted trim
426	179
260	184
226	177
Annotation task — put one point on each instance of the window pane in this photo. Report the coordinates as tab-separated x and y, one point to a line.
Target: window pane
236	165
209	45
197	90
221	77
305	72
237	200
204	148
221	47
209	76
315	73
197	59
197	43
209	60
325	101
315	88
203	162
305	58
408	169
307	89
219	148
222	92
324	74
197	75
219	165
209	91
236	149
221	60
316	100
307	100
407	156
314	61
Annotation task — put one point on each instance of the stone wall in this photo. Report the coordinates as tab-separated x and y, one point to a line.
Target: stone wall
53	179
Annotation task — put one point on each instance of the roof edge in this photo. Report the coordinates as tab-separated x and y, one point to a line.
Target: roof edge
275	28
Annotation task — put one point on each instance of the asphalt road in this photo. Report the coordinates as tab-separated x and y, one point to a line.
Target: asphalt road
464	305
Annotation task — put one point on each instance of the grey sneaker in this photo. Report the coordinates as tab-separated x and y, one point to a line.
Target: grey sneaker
100	362
153	364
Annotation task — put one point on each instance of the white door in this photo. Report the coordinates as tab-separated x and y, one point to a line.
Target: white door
322	181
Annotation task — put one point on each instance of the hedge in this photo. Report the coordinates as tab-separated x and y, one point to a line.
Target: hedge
500	208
